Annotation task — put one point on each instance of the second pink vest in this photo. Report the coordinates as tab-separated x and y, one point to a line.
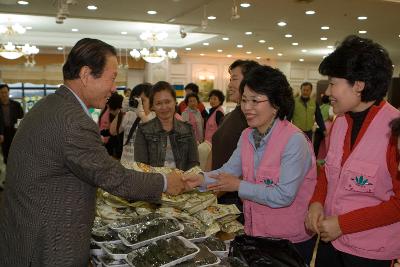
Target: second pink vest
211	125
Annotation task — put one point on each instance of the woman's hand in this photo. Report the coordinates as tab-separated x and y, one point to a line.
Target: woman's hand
314	217
225	182
329	228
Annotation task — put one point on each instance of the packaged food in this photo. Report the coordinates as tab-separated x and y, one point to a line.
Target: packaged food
116	251
202	259
123	223
213	213
104	235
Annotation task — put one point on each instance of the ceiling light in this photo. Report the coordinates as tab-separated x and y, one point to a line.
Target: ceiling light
225	38
362	32
288	35
92	7
280	54
304	50
28	28
202	54
219	50
295	44
239	46
60	48
301	59
270	48
206	44
323	38
124	33
153	54
330	47
74	30
188	48
248	33
310	12
262	41
229	55
362	18
325	28
245	5
282	24
258	57
151	12
11	51
212	17
248	52
23	3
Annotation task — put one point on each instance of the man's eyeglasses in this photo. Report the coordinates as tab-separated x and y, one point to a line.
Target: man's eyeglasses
251	102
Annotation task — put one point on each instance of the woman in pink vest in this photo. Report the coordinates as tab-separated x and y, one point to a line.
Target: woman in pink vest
356	204
275	159
193	115
215	115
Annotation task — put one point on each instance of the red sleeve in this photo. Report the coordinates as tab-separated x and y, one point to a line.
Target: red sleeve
321	188
387	212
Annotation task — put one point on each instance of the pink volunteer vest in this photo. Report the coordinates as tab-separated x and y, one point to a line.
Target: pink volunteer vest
211	125
363	181
193	122
261	220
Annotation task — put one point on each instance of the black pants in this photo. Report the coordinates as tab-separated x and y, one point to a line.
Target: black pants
318	137
328	256
306	249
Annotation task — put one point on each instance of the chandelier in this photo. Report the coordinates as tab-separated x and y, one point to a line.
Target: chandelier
153	54
11	51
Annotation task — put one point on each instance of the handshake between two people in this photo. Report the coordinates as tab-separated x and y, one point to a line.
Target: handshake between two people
178	183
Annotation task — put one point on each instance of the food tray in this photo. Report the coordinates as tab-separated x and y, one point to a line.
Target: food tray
212	264
185	258
125	264
198	239
114	256
99	243
148	241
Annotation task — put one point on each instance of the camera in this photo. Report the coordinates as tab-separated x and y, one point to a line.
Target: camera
133	102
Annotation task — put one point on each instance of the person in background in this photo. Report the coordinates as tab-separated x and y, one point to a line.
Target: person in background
127	123
225	139
320	141
307	112
192	88
164	140
10	112
275	159
125	103
356	204
215	115
56	163
192	115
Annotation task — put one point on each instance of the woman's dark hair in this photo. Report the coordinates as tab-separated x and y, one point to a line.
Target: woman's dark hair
87	52
191	95
139	89
218	94
325	99
115	101
395	124
360	59
4	85
193	87
161	86
245	65
272	83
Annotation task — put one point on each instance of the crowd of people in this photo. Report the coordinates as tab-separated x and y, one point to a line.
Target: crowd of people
261	156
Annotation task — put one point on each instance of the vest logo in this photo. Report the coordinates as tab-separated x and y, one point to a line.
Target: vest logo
361	181
269	182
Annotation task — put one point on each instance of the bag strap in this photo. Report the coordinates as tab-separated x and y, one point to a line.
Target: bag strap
132	130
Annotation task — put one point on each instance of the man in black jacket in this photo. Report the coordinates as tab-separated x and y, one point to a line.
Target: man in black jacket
10	112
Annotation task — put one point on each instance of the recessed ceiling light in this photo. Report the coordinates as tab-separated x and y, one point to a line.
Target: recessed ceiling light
304	50
60	48
245	5
188	48
202	55
399	35
74	30
362	32
324	57
151	12
23	3
219	50
325	28
212	17
206	44
248	33
362	18
229	55
262	41
301	59
239	46
28	28
310	12
323	38
288	35
295	44
225	38
92	7
258	57
270	48
124	33
248	52
280	54
282	24
330	47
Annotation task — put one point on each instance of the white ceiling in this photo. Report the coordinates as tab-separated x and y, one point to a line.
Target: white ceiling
261	18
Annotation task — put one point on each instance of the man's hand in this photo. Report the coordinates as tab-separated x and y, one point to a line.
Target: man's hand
192	180
225	182
314	216
175	185
329	228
